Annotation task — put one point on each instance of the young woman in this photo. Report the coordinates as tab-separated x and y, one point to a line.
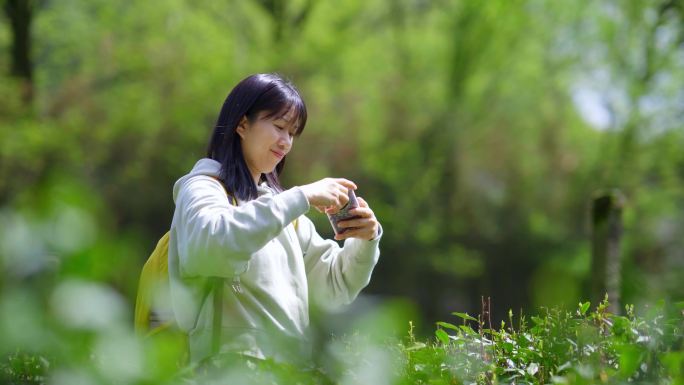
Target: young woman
234	224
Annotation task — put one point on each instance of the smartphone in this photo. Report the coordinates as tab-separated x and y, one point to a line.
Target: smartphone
344	214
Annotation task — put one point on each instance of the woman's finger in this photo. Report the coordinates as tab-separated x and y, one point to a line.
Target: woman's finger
361	212
361	233
349	223
342	196
349	233
346	183
357	224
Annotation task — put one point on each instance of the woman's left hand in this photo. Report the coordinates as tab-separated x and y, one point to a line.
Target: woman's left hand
364	227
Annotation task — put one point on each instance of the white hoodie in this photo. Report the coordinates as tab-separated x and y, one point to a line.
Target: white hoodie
279	266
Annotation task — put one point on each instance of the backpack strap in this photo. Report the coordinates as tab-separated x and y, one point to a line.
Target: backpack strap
217	320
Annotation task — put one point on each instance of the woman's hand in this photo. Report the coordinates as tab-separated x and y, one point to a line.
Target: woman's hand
364	227
328	193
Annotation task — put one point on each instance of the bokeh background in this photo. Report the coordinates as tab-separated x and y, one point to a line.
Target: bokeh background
477	130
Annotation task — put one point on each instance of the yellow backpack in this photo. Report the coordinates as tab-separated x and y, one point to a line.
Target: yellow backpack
153	278
154	282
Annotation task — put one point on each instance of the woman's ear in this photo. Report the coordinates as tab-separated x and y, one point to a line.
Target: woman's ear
242	127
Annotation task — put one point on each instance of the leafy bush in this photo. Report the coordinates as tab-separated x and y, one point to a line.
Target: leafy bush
556	346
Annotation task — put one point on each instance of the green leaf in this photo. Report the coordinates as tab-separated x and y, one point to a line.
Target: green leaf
583	307
630	358
621	326
416	346
442	336
447	325
465	316
674	362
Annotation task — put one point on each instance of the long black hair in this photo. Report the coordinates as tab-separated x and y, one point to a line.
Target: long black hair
258	93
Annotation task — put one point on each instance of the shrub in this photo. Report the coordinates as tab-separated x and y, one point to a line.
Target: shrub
556	346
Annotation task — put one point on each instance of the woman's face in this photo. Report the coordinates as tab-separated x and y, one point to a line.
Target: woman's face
266	141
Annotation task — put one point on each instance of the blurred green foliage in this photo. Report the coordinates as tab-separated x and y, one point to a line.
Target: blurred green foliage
477	131
555	346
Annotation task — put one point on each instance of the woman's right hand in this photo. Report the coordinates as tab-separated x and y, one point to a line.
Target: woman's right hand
328	194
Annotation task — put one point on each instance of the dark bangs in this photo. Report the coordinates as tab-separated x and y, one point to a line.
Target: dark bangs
277	101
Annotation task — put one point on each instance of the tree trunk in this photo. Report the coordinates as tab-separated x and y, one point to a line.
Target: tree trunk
20	15
606	233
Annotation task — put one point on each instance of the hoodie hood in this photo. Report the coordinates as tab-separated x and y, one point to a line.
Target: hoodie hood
212	168
205	166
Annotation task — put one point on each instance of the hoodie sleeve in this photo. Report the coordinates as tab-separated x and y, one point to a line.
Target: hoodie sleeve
336	274
215	238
